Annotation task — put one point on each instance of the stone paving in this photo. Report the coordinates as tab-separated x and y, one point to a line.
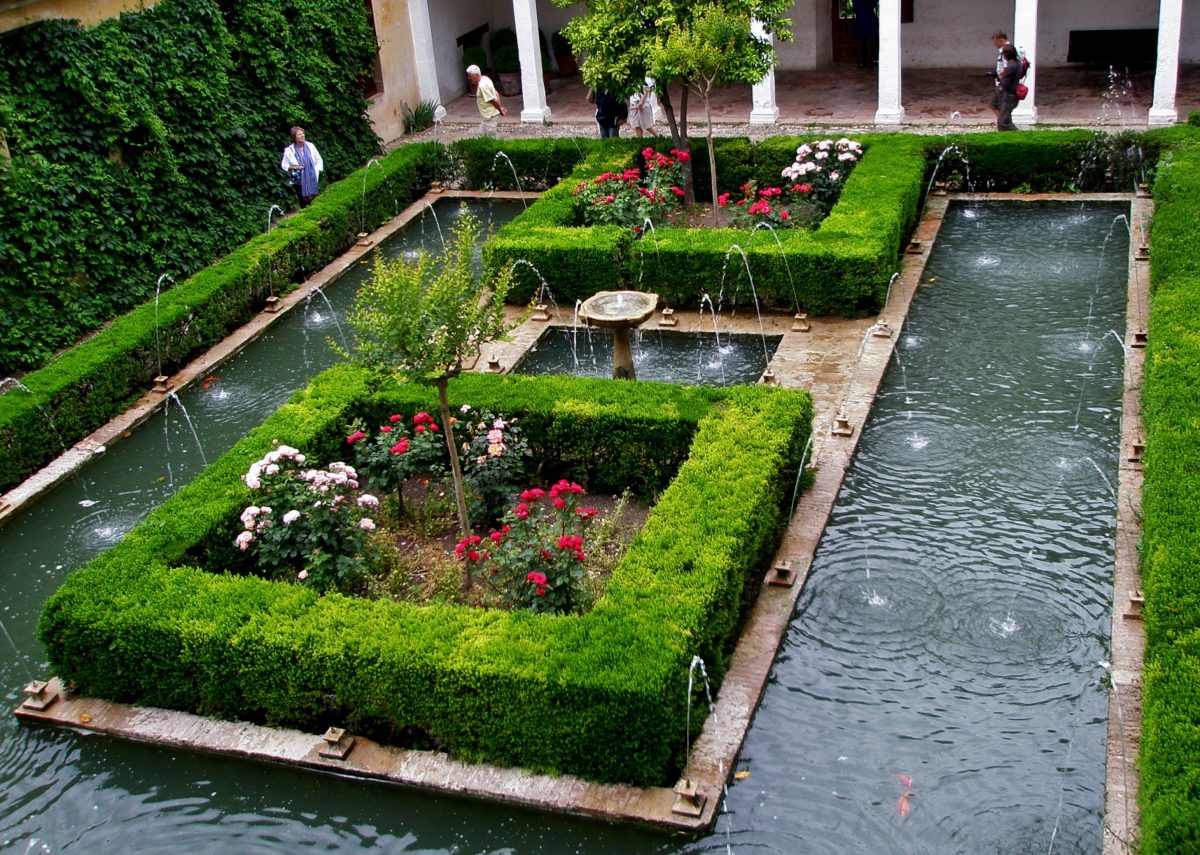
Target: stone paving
843	99
841	361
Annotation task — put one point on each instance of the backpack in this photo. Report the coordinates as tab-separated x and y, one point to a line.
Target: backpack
1025	63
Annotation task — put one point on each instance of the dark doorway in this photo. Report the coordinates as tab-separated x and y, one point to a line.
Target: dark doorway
845	45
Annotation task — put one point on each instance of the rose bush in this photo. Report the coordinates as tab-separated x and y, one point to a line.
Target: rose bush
536	559
494	454
824	166
630	198
307	524
394	454
779	207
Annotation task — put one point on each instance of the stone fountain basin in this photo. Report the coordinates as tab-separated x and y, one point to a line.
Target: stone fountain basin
618	309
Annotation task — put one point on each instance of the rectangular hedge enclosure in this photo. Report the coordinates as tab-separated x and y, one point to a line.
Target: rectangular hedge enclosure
842	267
601	695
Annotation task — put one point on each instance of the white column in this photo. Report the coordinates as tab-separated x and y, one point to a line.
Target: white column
533	88
1025	29
1166	71
889	111
423	58
764	110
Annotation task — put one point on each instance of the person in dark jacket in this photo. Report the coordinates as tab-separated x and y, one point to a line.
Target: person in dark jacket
866	30
1009	77
611	112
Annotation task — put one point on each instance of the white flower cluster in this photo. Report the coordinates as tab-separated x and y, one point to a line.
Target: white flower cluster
338	477
255	520
813	158
269	465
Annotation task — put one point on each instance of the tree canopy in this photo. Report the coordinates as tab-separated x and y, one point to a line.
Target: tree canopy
421	320
623	41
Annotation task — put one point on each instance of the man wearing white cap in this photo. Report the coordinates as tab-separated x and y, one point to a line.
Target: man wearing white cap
488	101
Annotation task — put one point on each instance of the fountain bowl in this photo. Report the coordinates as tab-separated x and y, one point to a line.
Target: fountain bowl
618	309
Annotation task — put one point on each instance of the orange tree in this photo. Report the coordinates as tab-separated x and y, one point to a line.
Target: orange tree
625	40
419	320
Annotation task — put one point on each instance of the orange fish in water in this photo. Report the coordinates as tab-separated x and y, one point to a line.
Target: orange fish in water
208	381
902	805
904	779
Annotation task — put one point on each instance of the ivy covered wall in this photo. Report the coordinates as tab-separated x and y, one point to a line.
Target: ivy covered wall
150	144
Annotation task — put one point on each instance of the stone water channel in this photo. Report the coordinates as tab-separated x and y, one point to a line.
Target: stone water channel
938	689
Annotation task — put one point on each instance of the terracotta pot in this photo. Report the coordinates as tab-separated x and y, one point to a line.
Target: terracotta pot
510	82
566	64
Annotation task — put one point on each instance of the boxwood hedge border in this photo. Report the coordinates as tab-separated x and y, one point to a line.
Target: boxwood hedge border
600	695
1169	756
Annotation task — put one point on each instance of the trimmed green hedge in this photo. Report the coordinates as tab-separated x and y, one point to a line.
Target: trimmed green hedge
1169	759
842	267
99	378
485	163
600	695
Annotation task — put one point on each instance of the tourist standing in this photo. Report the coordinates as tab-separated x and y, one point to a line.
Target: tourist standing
611	112
487	100
866	30
1006	84
999	39
303	164
641	109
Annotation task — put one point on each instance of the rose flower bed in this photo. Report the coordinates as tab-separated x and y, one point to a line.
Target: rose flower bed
323	527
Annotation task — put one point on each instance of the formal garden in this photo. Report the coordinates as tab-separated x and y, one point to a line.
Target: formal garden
270	588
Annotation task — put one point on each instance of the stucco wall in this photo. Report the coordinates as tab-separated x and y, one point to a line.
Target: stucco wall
809	47
87	12
449	19
400	91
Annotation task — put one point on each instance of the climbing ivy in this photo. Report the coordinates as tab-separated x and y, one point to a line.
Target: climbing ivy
150	144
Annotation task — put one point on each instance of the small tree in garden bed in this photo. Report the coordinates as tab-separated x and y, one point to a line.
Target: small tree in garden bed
624	40
715	47
420	320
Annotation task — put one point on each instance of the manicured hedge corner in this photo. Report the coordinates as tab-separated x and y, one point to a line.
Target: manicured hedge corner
600	695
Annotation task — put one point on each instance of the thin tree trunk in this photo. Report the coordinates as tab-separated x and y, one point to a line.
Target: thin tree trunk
460	496
689	190
679	137
712	155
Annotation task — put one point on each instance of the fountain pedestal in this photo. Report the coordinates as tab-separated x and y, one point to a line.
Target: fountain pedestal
619	311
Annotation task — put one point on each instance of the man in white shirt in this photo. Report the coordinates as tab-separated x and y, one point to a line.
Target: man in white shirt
488	101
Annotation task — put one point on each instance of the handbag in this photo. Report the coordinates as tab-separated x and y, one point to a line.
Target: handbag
294	176
1021	91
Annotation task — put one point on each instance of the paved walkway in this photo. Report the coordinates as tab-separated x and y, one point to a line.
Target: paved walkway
843	97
